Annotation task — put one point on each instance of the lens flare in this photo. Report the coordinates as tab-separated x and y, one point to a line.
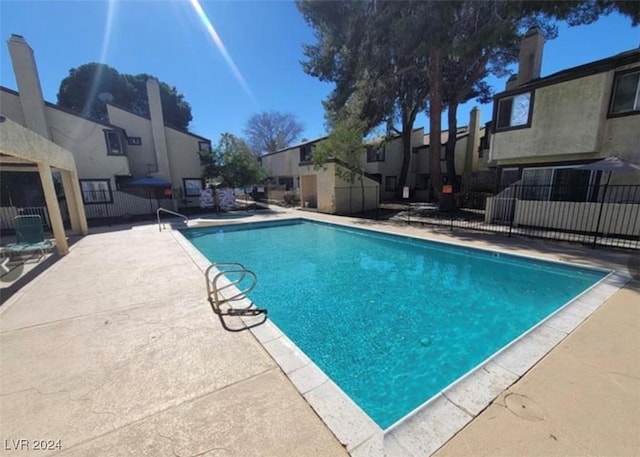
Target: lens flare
221	47
93	95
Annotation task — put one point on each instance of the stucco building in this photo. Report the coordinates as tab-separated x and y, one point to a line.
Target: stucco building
128	158
291	169
545	126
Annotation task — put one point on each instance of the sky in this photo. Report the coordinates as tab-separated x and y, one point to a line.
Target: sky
230	59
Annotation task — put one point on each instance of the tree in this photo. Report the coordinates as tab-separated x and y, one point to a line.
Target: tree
87	87
475	34
344	144
233	162
450	46
270	131
362	49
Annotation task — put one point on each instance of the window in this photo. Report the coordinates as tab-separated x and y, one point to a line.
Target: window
134	141
514	111
306	152
114	145
96	191
204	146
390	183
422	181
192	186
508	176
286	181
375	153
558	184
625	97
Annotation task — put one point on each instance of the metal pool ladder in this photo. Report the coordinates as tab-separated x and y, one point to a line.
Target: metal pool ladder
238	282
185	218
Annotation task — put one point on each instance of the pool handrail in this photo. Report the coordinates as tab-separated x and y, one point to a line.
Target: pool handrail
239	292
186	219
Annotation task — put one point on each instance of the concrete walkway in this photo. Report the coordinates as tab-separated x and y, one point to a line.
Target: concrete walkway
114	351
583	399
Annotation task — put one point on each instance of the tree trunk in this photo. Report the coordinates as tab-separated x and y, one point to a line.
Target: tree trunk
435	121
362	187
450	152
408	118
406	158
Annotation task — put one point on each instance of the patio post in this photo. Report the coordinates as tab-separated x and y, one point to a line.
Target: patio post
54	209
75	206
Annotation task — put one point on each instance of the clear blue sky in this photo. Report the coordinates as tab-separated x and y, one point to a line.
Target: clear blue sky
263	38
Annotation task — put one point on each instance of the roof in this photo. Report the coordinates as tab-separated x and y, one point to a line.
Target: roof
295	146
106	124
186	132
598	66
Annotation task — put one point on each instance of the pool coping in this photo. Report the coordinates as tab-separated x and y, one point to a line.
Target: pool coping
429	426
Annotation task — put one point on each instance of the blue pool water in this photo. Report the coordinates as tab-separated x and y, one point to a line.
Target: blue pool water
392	320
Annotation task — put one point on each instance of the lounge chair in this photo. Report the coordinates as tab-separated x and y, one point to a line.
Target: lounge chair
29	236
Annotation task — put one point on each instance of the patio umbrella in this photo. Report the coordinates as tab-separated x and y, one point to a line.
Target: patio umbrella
150	184
611	165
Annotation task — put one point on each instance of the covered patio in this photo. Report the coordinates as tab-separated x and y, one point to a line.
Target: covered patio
25	151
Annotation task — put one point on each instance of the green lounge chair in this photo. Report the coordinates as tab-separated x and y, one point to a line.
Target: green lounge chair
29	235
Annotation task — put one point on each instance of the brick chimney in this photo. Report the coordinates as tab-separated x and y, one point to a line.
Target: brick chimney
26	73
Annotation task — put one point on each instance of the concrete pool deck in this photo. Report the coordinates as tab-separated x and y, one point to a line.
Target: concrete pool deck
114	351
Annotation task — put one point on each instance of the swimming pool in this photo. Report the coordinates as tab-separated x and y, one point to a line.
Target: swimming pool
392	320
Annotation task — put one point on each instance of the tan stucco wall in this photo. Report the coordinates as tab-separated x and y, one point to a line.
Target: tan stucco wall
578	216
184	161
622	138
10	107
567	120
348	196
142	159
18	141
283	164
85	139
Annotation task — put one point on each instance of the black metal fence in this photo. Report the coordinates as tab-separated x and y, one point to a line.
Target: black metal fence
593	215
106	207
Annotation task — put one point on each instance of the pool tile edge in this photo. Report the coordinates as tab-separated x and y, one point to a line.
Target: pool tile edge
445	414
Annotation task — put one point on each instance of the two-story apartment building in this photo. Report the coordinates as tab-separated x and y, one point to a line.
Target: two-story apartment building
381	161
544	127
126	155
319	188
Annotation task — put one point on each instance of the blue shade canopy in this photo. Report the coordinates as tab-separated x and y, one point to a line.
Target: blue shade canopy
149	181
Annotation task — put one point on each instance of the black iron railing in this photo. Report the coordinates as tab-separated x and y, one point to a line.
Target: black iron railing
594	215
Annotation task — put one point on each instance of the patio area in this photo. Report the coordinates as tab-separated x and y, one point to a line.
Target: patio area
113	350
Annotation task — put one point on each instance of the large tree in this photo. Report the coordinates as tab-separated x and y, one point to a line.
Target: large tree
90	86
362	48
372	46
270	131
